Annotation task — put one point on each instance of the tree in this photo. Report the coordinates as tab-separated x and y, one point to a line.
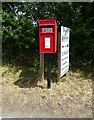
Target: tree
21	29
18	33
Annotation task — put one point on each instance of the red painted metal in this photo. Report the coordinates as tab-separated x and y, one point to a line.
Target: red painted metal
47	36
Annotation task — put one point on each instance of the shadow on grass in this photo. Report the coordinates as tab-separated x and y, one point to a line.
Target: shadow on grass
28	78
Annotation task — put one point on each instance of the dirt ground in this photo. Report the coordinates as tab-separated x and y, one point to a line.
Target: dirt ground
71	99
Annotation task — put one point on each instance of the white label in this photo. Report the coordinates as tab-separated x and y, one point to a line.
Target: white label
47	42
64	50
46	29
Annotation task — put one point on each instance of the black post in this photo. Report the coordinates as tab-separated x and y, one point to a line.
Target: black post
49	71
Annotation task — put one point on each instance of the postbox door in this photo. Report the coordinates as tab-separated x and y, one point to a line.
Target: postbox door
47	43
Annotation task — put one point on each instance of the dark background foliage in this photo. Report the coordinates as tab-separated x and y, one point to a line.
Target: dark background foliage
20	31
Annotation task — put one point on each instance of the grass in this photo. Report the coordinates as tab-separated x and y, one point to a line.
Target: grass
28	76
72	92
22	76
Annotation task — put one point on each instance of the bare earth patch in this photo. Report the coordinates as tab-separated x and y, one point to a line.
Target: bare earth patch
71	99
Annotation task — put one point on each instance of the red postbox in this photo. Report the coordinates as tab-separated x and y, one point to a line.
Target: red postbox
47	36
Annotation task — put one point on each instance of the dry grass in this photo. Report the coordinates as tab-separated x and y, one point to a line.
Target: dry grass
72	98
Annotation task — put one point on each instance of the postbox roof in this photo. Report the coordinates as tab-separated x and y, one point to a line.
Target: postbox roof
47	22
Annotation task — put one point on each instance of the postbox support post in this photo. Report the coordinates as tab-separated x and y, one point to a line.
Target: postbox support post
49	71
59	57
41	67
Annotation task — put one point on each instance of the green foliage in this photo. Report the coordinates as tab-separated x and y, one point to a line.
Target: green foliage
20	30
19	41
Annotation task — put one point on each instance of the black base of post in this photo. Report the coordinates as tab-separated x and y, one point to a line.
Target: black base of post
49	71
